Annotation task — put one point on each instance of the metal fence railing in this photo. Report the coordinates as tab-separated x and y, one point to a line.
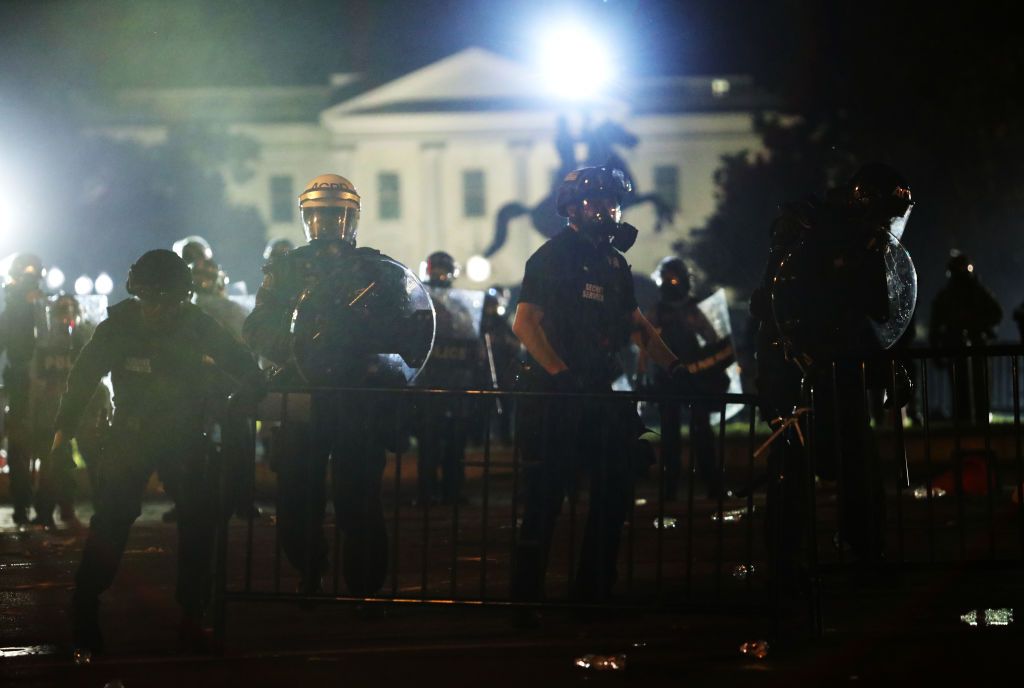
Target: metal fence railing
934	494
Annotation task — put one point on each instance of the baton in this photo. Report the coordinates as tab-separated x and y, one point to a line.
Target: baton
493	370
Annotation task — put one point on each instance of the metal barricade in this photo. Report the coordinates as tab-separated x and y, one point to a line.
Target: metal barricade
693	552
937	494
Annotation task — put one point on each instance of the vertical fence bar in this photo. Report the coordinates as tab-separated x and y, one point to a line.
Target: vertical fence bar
720	534
958	474
814	600
749	558
277	493
659	535
397	517
516	449
990	460
250	521
689	510
929	470
1018	454
485	500
569	483
837	453
631	515
455	437
902	467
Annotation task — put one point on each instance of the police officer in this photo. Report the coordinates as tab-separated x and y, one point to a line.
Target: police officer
576	310
348	296
209	282
965	314
690	335
277	247
454	364
838	287
159	349
192	248
23	317
55	352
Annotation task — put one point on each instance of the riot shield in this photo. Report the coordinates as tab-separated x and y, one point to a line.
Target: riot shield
370	323
721	354
832	298
456	356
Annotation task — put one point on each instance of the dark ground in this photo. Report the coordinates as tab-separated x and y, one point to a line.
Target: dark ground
895	629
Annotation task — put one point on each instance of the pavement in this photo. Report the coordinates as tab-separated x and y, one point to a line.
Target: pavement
875	634
912	628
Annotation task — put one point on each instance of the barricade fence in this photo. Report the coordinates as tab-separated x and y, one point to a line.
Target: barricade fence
438	526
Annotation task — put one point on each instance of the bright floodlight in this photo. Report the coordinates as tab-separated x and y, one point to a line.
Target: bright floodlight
104	284
83	285
54	278
478	268
574	62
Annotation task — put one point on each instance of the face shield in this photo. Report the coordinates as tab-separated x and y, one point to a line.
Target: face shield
331	222
598	215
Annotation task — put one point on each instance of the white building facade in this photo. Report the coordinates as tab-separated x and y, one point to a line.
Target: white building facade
436	153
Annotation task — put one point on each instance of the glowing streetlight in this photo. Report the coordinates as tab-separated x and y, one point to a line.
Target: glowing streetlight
104	284
478	268
83	285
574	61
54	278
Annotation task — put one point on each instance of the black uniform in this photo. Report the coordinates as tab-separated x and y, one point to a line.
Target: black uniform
354	432
965	314
690	336
23	315
455	363
837	284
586	293
55	355
157	426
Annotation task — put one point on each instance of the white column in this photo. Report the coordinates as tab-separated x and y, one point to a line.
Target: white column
433	230
521	240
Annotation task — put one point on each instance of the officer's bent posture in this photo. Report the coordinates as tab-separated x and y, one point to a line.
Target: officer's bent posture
576	310
160	351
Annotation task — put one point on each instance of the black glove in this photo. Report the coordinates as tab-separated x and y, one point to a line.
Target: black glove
899	392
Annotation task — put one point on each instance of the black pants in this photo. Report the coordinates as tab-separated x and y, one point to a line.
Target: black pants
348	432
19	438
442	447
846	450
561	439
133	451
702	440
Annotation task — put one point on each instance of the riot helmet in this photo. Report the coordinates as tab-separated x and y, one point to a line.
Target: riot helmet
330	209
160	276
959	266
277	247
26	270
673	278
591	198
207	277
880	195
192	248
64	313
441	269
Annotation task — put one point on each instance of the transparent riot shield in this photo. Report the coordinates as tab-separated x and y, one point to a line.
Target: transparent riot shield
371	323
833	299
457	350
716	309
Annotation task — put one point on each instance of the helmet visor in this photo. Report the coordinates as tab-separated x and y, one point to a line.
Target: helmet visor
333	222
601	212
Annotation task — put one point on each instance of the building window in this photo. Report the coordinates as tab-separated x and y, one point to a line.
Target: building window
389	194
473	199
282	198
666	184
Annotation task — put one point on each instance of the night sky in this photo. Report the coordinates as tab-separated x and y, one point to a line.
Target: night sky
111	43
